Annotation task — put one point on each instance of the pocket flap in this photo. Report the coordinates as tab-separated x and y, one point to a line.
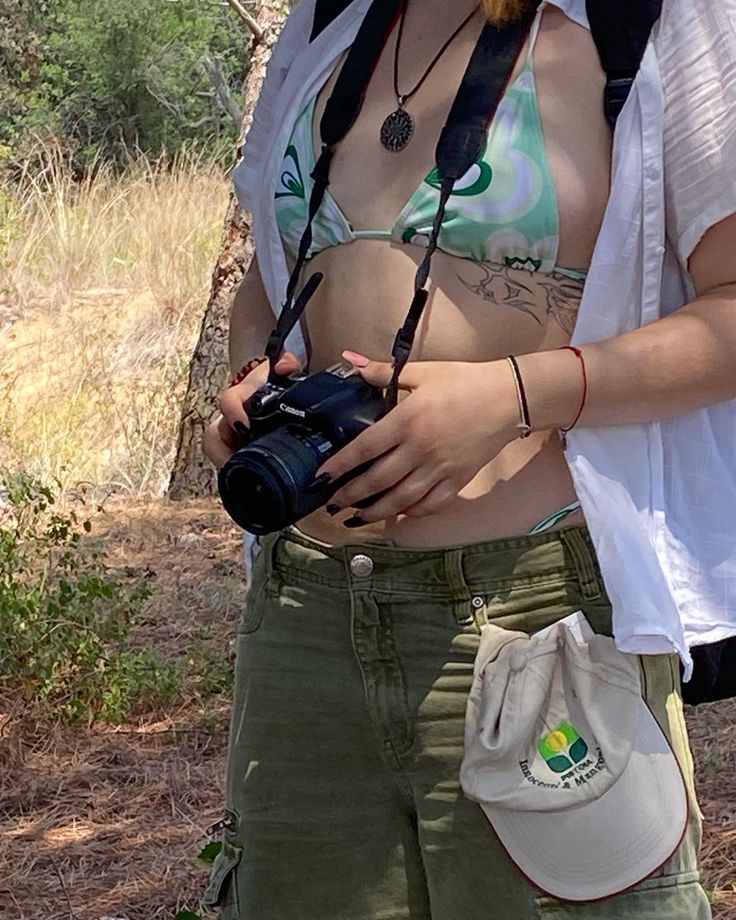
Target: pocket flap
225	862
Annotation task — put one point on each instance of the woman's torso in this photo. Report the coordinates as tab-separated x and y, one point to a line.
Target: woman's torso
477	311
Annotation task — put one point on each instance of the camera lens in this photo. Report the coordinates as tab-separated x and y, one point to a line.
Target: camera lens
266	485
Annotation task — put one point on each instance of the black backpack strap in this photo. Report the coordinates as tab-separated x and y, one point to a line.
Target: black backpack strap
324	12
621	30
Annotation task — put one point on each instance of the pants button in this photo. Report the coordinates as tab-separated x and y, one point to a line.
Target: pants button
361	565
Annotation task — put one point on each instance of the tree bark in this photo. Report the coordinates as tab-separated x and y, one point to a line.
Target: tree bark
192	474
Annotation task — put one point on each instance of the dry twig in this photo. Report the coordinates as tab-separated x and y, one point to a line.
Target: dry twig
72	915
255	29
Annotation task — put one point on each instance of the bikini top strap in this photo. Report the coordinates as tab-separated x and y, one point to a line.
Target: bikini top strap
534	33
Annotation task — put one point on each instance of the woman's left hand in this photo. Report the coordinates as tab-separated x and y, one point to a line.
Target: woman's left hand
457	418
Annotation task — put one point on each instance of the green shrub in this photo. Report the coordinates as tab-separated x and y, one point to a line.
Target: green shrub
102	78
66	617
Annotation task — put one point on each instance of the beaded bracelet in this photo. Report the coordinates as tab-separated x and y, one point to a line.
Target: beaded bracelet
246	369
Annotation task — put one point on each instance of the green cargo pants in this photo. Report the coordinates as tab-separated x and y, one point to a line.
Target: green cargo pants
353	668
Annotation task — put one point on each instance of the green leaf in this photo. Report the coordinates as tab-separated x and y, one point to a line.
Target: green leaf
187	915
209	853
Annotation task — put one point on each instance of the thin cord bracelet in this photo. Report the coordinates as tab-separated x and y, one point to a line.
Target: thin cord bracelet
246	369
564	431
525	425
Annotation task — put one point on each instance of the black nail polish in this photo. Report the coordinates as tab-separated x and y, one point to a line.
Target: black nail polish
322	480
355	521
333	509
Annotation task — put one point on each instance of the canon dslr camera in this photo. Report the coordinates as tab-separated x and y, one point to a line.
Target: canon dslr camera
296	423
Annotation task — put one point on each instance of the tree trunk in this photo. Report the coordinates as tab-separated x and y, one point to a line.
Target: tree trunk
192	475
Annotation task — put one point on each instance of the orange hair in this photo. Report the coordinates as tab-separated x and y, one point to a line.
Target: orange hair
503	10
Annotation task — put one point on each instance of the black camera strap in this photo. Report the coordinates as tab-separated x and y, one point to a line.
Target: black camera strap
460	145
341	111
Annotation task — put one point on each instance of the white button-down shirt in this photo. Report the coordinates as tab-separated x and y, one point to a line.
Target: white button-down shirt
659	498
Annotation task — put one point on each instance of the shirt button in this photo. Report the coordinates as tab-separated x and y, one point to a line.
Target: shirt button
361	566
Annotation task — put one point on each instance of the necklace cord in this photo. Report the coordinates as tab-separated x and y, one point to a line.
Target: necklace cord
403	98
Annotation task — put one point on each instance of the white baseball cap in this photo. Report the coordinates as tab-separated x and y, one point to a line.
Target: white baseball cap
568	763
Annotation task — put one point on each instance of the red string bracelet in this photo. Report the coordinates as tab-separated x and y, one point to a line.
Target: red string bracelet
246	369
564	431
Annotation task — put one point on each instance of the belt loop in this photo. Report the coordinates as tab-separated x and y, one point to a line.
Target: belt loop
454	570
268	550
455	576
583	561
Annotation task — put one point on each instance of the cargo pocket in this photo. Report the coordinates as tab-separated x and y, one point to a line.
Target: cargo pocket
664	898
222	891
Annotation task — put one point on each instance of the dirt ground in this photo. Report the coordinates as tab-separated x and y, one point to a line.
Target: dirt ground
107	823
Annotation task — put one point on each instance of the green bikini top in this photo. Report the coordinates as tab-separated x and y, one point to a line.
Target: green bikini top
504	210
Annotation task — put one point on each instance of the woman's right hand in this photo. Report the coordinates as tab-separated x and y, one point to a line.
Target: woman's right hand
220	439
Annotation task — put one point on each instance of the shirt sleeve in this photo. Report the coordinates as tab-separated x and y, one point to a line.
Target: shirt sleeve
696	48
293	39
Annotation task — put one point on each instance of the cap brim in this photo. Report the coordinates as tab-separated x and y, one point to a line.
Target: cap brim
606	846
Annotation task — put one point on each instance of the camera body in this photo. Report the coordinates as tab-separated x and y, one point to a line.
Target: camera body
296	424
336	402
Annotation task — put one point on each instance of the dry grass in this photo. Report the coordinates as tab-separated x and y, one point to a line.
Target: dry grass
154	227
103	285
712	730
107	825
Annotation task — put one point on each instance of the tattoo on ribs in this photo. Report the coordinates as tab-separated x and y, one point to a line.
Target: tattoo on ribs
557	297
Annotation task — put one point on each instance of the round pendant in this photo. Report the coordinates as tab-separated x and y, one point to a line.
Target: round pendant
397	130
